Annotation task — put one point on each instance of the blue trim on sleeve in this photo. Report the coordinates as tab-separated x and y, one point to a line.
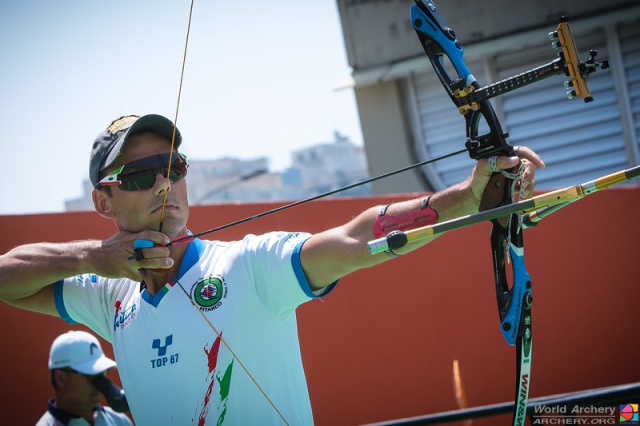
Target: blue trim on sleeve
59	302
302	278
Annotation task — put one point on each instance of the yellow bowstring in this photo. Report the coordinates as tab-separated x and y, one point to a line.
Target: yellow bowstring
164	202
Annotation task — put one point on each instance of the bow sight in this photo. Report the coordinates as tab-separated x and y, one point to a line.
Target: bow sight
572	66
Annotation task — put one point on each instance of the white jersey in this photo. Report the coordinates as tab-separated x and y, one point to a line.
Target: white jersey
240	366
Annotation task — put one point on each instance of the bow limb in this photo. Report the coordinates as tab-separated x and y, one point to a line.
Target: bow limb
439	43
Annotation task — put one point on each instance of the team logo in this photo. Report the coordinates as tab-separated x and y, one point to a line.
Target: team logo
123	315
163	359
209	292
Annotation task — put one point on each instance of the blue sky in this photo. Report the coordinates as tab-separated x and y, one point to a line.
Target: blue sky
259	81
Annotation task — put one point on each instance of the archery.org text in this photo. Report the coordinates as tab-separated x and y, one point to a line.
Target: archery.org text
574	421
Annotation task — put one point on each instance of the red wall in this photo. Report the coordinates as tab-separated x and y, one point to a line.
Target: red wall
382	345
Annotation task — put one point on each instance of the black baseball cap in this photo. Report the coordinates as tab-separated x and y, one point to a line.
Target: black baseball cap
109	143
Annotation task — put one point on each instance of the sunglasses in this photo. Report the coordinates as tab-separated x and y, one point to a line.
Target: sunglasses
141	174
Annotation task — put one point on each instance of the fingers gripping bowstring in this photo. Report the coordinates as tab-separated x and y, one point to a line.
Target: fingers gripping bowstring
162	215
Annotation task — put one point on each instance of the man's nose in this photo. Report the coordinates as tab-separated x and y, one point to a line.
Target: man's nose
161	185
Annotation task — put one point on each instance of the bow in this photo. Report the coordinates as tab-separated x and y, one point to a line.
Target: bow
514	299
514	303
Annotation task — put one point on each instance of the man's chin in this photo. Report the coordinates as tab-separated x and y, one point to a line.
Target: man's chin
170	225
173	228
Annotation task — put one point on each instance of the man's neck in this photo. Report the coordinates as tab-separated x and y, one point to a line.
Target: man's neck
155	279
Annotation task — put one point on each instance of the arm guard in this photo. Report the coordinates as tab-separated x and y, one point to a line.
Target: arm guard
385	223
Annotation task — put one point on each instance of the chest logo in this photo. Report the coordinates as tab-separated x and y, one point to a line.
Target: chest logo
208	292
123	315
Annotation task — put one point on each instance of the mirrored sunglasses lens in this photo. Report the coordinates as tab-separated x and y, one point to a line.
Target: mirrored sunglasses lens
140	181
141	174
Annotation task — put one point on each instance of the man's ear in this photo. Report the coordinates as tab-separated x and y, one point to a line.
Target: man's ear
60	378
102	203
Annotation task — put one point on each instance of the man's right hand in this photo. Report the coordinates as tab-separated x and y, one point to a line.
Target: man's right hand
117	255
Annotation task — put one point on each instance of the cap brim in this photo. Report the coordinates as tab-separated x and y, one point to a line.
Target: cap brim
94	366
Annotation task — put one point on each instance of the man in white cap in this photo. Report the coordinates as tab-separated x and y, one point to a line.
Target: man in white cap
78	375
